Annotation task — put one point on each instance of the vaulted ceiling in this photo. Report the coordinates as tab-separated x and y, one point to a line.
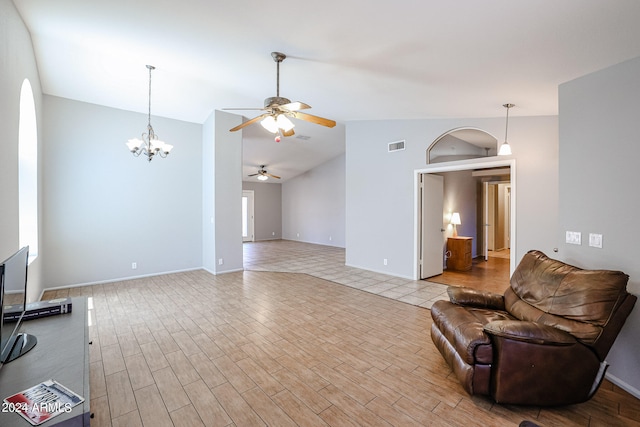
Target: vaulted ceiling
350	60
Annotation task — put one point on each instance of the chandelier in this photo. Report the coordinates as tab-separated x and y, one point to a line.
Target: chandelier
149	144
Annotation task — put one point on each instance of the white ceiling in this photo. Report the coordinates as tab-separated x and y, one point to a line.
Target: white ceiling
350	60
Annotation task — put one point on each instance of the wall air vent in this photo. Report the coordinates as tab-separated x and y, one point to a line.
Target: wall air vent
303	137
396	146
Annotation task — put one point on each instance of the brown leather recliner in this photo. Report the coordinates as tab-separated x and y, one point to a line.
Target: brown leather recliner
543	342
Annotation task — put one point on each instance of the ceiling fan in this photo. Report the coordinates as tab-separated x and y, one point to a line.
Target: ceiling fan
277	110
263	175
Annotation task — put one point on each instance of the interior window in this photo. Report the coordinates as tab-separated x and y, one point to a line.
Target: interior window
462	144
28	171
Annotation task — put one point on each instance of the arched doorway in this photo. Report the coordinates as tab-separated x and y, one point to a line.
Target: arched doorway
461	153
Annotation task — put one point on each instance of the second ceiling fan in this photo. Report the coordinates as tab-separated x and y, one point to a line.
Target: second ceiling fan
263	175
277	110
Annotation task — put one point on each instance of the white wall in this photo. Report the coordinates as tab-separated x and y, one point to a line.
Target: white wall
267	209
380	189
599	177
106	209
313	205
208	194
222	195
17	62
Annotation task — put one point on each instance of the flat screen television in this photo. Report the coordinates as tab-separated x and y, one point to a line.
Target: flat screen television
13	301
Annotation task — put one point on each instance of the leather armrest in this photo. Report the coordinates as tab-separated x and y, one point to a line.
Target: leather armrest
532	332
475	298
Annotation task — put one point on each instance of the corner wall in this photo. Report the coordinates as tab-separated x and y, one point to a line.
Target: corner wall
599	177
221	178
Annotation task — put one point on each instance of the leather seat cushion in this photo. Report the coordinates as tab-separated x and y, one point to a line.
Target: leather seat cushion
463	327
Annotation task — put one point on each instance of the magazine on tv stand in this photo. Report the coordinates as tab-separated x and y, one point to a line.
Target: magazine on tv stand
42	402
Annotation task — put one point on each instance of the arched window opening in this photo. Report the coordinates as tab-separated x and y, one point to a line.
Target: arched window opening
28	171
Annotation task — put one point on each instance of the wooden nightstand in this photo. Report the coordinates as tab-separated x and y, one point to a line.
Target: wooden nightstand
460	249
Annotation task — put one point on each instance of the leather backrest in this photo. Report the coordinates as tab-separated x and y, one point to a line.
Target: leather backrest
577	301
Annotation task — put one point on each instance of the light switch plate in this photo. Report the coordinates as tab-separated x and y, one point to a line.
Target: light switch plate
595	240
574	237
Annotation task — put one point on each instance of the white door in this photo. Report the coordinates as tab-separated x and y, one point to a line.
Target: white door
485	220
247	216
507	215
432	225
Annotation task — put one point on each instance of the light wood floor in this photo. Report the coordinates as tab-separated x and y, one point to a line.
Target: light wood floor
282	349
491	275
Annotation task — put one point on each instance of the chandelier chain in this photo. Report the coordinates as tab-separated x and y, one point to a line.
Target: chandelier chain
150	67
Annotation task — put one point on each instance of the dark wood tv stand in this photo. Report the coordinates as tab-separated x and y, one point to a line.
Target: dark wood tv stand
62	354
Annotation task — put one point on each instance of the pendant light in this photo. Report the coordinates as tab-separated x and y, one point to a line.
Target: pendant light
505	148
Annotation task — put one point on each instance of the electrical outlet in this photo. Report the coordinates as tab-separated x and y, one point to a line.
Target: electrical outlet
134	265
384	261
220	261
574	237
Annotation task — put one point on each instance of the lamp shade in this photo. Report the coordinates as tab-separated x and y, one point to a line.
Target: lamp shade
269	123
455	218
134	144
505	149
284	123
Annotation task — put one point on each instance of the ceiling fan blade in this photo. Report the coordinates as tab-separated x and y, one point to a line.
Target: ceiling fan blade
294	106
273	176
288	133
254	174
314	119
248	122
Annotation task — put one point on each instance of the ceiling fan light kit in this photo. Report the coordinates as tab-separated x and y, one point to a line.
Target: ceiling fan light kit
277	110
263	175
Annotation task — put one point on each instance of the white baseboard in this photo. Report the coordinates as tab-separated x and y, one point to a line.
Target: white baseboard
381	272
623	385
119	279
222	272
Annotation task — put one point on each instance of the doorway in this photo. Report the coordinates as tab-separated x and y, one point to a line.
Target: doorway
495	218
420	199
247	216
